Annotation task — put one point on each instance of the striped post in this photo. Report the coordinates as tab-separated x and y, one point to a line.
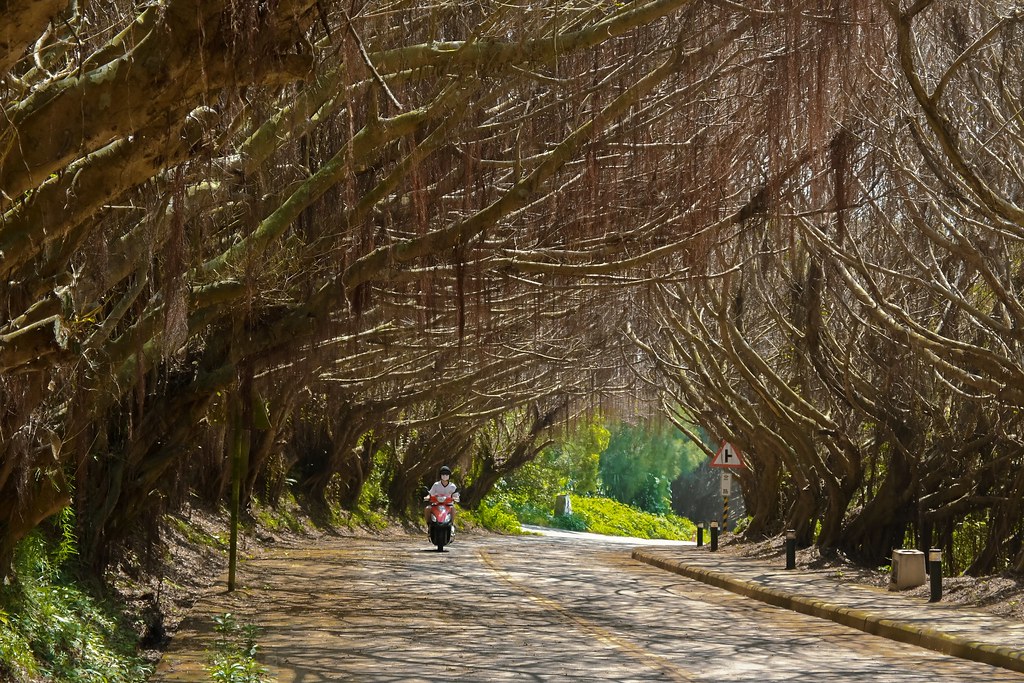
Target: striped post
726	490
725	515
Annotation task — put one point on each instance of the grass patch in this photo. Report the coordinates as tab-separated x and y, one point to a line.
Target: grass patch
195	535
360	518
283	516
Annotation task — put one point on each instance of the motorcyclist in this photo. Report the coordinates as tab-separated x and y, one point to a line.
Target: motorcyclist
440	488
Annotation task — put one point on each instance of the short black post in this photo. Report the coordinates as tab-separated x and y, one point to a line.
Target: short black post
700	534
790	548
714	536
935	572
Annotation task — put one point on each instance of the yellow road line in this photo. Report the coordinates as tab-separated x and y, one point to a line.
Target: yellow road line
602	634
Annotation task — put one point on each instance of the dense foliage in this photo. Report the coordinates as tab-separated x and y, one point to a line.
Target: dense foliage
641	461
570	465
52	627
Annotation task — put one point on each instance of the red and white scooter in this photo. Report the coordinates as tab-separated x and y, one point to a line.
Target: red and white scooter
440	525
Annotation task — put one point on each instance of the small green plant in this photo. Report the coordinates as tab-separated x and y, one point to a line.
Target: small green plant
234	655
282	515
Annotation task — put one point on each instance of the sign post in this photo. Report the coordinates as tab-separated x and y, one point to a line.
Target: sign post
728	457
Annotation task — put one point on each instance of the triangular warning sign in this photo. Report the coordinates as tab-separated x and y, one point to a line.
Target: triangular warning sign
728	456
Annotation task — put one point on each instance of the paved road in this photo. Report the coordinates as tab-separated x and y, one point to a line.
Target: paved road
531	609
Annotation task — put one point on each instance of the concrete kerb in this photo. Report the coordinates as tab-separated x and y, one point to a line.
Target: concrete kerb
955	646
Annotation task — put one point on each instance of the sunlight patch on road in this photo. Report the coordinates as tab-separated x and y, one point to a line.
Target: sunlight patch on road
599	538
645	657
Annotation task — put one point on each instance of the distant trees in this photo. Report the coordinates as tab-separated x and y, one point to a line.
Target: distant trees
642	460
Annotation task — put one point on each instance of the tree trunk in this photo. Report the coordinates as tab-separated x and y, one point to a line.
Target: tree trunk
881	524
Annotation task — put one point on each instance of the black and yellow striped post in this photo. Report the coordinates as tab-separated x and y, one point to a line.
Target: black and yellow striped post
726	489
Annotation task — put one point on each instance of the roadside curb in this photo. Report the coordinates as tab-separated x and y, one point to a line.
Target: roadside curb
1003	657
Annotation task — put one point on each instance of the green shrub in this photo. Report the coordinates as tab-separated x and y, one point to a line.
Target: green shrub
283	514
494	516
571	522
374	495
53	628
530	513
612	518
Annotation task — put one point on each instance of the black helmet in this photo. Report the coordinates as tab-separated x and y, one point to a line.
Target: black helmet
446	470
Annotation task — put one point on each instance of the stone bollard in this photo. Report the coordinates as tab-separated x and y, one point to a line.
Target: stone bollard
935	572
790	548
563	505
714	536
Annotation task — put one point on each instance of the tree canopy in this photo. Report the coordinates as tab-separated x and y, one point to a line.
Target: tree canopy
442	231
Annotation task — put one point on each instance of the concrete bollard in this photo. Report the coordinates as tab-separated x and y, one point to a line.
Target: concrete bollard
790	548
700	534
563	505
714	536
935	573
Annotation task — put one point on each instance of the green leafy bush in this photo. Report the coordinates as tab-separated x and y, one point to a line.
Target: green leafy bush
373	495
570	522
597	515
283	515
492	515
52	628
610	517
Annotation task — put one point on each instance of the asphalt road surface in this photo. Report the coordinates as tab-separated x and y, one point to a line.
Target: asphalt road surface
554	608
